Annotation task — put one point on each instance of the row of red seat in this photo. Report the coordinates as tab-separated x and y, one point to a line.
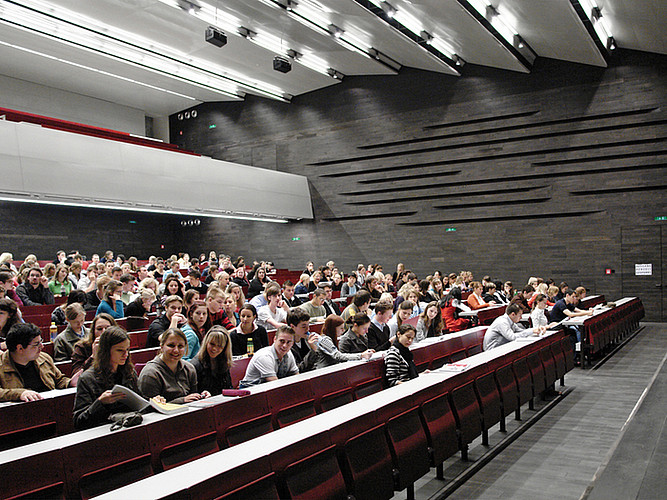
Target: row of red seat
606	329
183	437
373	447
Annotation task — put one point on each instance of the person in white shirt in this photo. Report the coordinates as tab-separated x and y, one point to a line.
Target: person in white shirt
506	328
274	314
272	362
537	315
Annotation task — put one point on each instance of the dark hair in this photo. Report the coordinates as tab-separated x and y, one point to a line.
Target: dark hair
10	307
296	315
437	321
332	322
361	297
528	289
76	296
359	319
287	283
21	333
195	273
169	279
454	293
383	306
405	328
5	276
102	362
320	291
513	309
127	278
90	338
569	291
191	311
250	308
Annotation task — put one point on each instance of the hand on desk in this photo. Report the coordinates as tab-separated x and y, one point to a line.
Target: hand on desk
29	395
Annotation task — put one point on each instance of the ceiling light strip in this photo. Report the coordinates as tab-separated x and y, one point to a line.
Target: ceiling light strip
590	14
498	25
219	18
131	208
130	48
410	27
314	16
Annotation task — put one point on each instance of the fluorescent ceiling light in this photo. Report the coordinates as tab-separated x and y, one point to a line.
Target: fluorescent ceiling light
68	26
132	208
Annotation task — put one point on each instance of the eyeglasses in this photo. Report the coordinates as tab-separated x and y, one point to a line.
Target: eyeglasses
39	342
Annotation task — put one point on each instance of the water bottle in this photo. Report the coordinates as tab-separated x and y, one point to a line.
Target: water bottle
63	290
53	331
251	347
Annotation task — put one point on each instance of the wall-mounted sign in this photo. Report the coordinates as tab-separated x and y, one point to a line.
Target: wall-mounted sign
643	269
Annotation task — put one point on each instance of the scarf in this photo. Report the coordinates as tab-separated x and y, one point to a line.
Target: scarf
408	357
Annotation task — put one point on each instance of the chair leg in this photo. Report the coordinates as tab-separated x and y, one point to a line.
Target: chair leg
562	381
440	471
485	437
503	428
464	452
531	404
411	492
517	413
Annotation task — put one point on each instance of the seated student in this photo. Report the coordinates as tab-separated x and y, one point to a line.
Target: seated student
373	286
194	282
475	300
9	316
379	334
213	361
303	284
7	281
230	309
304	341
84	350
413	297
128	283
171	318
356	338
256	285
272	362
522	298
451	306
498	295
25	370
111	303
94	297
142	305
237	292
537	315
336	282
329	305
246	330
63	345
174	270
35	291
288	295
195	328
430	322
157	271
552	291
489	296
274	314
171	286
360	304
327	352
240	277
315	307
566	308
94	402
189	298
399	362
506	328
60	285
349	288
168	375
261	300
314	282
215	302
58	314
403	314
580	293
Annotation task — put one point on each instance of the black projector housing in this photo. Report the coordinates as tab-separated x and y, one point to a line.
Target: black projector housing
282	64
215	36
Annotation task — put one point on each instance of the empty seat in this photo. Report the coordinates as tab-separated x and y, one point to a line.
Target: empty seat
468	416
559	361
537	373
316	476
253	479
409	449
549	366
368	466
40	475
291	403
440	427
508	391
107	463
242	419
490	404
22	424
182	438
524	384
568	353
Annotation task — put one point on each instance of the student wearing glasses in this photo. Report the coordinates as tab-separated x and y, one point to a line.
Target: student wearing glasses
25	370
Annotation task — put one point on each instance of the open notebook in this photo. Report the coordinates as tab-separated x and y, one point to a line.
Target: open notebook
135	402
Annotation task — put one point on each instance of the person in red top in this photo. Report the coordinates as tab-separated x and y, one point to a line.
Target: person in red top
215	301
450	309
475	300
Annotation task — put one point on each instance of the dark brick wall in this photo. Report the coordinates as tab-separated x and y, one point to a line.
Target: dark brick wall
45	229
537	173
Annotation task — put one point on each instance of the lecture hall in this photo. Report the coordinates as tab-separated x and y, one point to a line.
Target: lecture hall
345	249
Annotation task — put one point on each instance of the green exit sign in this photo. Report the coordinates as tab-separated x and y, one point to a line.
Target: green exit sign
212	126
450	229
661	217
296	238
